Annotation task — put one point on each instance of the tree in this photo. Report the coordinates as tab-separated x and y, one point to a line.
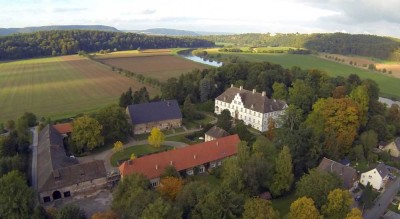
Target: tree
87	133
360	96
132	196
161	209
304	208
379	125
317	186
170	187
260	209
280	91
339	92
367	197
10	125
170	171
16	198
338	205
355	213
220	203
133	156
114	122
369	140
292	118
105	215
189	109
271	129
30	118
118	146
242	130
301	95
393	117
224	120
156	137
232	175
337	120
283	177
71	211
190	195
205	89
126	98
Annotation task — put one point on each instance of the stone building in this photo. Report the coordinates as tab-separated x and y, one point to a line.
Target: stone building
251	107
162	114
60	176
215	133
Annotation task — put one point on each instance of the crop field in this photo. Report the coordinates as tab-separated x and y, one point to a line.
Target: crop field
59	87
158	64
389	86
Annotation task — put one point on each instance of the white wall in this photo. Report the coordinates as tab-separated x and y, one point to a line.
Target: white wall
373	177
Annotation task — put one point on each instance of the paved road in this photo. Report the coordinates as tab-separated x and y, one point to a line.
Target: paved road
383	201
34	157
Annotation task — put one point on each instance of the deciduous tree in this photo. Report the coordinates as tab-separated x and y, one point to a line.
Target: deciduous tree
257	208
170	187
270	133
302	95
280	91
118	146
224	120
232	177
114	122
156	137
283	177
132	157
71	211
355	213
161	209
87	133
360	96
338	205
170	171
105	215
188	109
304	208
190	195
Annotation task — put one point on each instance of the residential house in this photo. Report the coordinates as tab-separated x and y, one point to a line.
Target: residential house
187	160
347	174
60	176
376	177
393	148
162	114
215	133
253	108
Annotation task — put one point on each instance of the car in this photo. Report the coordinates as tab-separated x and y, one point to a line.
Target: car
357	198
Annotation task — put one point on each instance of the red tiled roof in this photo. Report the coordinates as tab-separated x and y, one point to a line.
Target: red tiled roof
63	128
152	166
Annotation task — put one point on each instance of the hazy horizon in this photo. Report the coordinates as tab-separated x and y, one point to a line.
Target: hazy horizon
285	16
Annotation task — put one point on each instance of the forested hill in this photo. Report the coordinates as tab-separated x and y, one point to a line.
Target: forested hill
46	43
339	43
8	31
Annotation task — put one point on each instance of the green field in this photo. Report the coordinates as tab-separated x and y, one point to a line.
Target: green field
58	87
138	150
389	86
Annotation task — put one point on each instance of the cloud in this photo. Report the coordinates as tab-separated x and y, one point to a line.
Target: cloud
148	11
61	10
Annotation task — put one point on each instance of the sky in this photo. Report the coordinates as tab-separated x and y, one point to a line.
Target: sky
380	17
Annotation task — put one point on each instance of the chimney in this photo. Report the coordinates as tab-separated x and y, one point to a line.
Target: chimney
241	87
216	143
194	156
231	85
254	91
170	163
156	166
263	93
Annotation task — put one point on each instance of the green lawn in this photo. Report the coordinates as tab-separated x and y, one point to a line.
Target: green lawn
389	86
58	87
211	179
182	138
195	124
282	204
138	150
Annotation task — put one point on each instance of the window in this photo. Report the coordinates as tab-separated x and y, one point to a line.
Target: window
154	183
67	194
213	164
219	163
189	172
202	170
46	199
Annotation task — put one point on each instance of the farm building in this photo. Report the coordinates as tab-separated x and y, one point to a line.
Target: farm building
60	176
393	148
63	128
215	133
347	174
162	114
251	107
188	160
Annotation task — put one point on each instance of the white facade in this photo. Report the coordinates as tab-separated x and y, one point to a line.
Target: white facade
256	119
374	179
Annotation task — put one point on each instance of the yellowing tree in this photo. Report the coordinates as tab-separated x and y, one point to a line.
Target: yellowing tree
360	96
156	137
355	213
260	209
339	202
304	208
118	146
170	187
133	156
87	133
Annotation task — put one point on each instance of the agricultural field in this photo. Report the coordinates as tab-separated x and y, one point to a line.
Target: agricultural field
158	64
59	87
389	86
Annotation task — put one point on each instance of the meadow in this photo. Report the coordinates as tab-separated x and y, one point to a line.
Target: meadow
158	64
389	86
59	87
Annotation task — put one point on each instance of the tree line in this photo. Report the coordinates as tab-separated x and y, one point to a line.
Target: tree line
57	42
338	43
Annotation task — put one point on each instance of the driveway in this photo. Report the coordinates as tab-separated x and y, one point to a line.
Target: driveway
34	156
383	200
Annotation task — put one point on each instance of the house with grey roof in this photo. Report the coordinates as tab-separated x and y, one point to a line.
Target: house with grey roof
254	108
376	177
164	114
347	174
60	176
393	148
214	133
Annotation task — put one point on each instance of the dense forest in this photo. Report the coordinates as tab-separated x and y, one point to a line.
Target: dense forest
47	43
338	43
8	31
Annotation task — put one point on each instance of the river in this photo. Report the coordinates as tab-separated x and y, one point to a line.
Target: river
187	54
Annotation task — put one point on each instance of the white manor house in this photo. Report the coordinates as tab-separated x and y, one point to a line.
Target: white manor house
251	107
